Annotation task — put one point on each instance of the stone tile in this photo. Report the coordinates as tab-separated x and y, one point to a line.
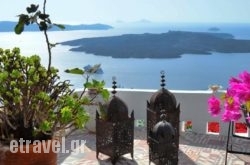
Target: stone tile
194	149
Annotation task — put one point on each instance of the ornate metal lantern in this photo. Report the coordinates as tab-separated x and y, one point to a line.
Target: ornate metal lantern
115	134
163	99
161	140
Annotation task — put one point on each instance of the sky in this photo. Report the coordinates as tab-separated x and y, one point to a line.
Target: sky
111	11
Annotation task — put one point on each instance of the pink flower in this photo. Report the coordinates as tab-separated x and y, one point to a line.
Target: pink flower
236	97
241	86
231	115
245	77
232	104
226	116
214	106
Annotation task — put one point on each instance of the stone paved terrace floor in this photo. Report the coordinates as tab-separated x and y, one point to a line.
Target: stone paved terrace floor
194	149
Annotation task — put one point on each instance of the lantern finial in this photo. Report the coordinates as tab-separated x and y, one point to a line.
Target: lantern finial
114	85
163	79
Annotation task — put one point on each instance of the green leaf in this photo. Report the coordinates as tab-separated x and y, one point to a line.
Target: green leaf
33	8
23	19
66	114
105	94
88	85
45	126
19	28
53	45
3	76
60	26
15	74
43	96
74	71
43	26
81	118
43	16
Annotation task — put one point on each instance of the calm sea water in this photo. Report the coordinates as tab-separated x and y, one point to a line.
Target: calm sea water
190	72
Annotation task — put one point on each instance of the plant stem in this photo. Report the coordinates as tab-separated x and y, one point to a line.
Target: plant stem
49	49
47	37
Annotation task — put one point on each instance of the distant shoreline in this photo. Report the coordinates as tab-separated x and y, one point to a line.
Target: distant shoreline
8	26
172	44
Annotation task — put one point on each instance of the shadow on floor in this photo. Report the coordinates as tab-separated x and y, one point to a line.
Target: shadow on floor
120	161
193	148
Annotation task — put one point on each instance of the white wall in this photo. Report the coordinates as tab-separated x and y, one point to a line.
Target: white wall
193	106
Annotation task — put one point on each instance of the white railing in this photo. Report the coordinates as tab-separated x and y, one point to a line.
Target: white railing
193	106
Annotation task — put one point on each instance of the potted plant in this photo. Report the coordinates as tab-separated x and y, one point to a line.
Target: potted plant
35	103
94	94
93	87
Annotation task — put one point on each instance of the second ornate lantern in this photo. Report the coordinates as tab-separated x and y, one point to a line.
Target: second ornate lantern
163	99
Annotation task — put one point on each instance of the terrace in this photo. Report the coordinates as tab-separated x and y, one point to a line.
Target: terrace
198	143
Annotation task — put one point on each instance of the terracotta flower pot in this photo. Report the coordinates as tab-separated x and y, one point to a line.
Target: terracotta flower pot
46	156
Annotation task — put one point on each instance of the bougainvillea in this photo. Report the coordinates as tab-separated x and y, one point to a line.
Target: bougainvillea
235	102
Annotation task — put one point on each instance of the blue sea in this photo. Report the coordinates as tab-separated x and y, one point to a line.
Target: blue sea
190	72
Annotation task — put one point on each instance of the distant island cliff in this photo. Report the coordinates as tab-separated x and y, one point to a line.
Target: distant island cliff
172	44
8	26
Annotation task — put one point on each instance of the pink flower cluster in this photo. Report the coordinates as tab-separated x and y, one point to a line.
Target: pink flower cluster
234	101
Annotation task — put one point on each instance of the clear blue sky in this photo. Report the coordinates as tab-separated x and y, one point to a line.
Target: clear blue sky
110	11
